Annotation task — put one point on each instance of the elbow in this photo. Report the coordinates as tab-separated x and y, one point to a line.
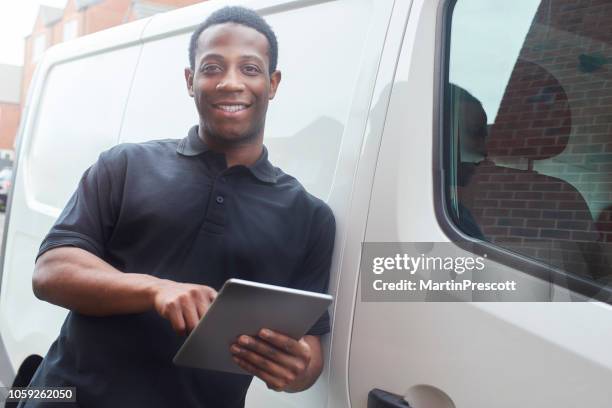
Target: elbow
42	276
39	282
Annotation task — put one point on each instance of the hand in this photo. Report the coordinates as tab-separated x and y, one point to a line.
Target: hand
283	363
183	304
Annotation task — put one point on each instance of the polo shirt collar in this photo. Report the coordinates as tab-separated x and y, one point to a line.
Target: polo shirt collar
192	145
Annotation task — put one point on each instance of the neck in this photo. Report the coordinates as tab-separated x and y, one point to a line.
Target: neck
243	153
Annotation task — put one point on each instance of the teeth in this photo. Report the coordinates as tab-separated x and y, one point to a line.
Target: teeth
232	108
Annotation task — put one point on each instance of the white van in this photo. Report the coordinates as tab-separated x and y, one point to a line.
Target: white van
486	122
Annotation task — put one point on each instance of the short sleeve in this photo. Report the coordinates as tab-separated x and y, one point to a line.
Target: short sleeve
89	216
314	275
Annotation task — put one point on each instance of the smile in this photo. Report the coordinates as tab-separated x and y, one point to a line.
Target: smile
231	108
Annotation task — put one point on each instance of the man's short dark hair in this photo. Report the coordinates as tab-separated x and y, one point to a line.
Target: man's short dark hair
237	15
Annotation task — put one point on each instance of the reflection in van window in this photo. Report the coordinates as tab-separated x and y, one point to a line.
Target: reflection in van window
531	130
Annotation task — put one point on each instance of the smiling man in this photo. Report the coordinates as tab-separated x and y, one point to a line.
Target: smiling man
155	228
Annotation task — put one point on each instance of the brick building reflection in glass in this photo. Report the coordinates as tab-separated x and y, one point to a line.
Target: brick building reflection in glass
537	180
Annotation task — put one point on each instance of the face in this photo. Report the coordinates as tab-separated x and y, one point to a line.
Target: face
231	84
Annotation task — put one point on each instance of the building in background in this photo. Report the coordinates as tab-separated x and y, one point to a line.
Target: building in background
78	18
10	110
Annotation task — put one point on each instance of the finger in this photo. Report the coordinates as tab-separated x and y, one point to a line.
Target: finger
285	343
201	307
209	293
295	364
272	382
190	314
202	302
263	365
176	319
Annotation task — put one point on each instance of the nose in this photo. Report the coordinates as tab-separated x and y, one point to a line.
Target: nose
231	82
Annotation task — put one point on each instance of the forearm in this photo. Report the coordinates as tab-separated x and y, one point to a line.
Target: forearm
80	281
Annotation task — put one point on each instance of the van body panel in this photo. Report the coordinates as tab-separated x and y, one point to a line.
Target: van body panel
479	354
353	231
121	36
45	179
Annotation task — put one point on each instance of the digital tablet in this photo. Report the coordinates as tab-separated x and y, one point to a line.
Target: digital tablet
245	307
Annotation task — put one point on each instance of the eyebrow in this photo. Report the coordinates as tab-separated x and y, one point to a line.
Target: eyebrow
242	57
252	56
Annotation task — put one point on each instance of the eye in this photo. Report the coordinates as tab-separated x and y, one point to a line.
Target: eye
251	69
210	68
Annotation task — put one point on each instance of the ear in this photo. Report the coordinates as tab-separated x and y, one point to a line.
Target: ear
189	80
275	79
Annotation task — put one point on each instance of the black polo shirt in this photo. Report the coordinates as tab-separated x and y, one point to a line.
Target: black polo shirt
172	209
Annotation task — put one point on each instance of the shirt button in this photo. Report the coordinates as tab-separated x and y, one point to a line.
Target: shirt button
220	199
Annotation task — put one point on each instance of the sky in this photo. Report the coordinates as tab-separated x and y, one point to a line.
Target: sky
16	21
482	64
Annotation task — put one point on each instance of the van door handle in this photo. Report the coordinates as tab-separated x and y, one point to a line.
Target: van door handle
378	398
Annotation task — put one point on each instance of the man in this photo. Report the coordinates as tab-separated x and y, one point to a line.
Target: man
155	228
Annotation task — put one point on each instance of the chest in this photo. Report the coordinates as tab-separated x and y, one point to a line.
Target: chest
230	225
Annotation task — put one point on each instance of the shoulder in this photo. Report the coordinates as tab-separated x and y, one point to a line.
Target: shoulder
123	159
117	159
124	152
319	211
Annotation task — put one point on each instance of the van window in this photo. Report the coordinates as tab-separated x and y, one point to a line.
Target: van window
529	125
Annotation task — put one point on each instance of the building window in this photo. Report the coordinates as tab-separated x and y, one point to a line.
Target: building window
71	30
39	46
529	125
